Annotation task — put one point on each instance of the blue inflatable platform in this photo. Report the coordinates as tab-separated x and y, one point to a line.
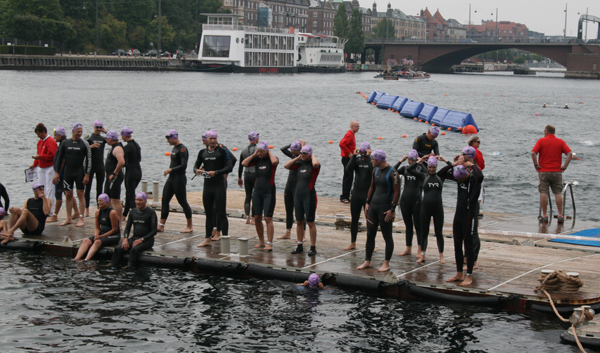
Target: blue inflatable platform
412	109
428	112
386	101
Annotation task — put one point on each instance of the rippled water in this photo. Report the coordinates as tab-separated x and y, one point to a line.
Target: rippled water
314	107
54	305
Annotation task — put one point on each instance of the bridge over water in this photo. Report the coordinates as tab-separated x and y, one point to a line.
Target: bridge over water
439	57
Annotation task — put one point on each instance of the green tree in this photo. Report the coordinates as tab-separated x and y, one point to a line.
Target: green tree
112	33
166	32
40	8
83	34
340	22
356	35
384	29
137	37
27	27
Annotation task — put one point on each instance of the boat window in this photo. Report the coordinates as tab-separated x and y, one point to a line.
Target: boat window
237	40
216	46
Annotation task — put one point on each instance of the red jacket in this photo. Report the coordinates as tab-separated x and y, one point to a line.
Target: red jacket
479	159
348	144
46	149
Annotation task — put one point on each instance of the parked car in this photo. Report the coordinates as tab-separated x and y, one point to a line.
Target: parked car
151	52
165	54
118	52
133	52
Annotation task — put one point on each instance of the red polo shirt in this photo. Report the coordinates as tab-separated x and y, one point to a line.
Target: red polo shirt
46	149
550	150
348	144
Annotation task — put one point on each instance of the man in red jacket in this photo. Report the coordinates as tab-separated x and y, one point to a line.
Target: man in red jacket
550	150
348	145
44	161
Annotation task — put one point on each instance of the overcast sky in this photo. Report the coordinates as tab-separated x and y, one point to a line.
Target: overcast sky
548	18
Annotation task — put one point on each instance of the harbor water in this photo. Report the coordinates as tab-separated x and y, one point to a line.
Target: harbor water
55	305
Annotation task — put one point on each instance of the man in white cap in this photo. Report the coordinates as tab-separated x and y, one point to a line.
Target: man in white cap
32	218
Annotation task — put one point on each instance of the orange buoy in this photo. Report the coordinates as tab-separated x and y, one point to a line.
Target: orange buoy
380	138
235	148
432	124
446	94
270	147
444	133
330	142
415	118
469	129
460	128
420	120
579	97
426	122
167	154
486	95
389	108
505	95
449	129
404	136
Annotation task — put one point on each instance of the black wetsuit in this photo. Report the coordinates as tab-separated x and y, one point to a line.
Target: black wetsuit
363	174
249	176
424	146
176	182
97	169
264	195
59	188
74	154
222	223
431	206
305	198
214	194
105	227
4	195
466	213
144	226
384	194
113	188
410	202
290	190
133	173
36	207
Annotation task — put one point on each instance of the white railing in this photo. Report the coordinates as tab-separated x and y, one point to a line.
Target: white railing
233	27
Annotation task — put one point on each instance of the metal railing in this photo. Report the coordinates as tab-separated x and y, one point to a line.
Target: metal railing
234	27
567	186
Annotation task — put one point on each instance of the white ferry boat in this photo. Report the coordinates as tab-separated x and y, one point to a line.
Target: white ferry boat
320	53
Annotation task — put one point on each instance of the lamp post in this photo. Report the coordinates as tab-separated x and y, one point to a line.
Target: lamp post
97	30
158	51
565	31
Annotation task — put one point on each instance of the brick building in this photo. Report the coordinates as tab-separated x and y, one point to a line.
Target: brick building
503	31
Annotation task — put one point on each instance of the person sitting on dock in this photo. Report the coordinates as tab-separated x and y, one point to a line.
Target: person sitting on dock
249	174
305	199
4	195
32	218
264	194
382	200
292	150
3	225
426	144
143	221
360	164
106	231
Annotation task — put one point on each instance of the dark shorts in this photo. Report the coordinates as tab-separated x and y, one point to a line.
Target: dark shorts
73	179
113	188
263	202
59	189
305	204
106	241
37	231
552	180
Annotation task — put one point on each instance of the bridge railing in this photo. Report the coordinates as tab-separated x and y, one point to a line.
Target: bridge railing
470	41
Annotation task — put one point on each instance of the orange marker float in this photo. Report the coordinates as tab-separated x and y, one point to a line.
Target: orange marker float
270	147
380	138
167	154
404	136
235	148
444	133
330	141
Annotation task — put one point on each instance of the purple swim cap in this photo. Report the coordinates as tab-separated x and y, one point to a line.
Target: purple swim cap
432	161
263	146
2	212
172	134
413	154
141	195
364	147
126	132
469	152
296	146
307	149
60	131
253	135
36	186
112	135
204	137
378	155
76	126
459	172
434	131
211	133
98	123
313	280
104	197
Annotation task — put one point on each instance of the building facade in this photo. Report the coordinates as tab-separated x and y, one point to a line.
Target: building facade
501	31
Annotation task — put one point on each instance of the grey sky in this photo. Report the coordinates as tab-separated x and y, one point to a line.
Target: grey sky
547	17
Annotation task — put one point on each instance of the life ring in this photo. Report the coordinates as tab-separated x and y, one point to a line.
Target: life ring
310	60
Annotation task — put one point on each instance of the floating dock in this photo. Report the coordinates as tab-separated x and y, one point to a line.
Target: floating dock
510	259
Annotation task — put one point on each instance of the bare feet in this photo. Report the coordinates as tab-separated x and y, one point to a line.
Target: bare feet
442	261
74	217
252	221
467	282
87	212
408	251
67	221
259	245
80	222
287	235
187	230
206	242
214	232
475	265
384	268
216	237
352	246
456	278
52	219
160	228
366	264
268	247
248	220
7	239
421	259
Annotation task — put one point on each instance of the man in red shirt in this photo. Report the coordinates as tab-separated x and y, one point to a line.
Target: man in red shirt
43	163
348	145
550	150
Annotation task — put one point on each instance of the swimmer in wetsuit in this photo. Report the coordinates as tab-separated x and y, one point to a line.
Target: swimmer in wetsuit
115	161
426	145
133	170
292	150
32	218
221	222
264	194
410	202
469	185
249	174
359	164
97	144
305	198
4	195
71	156
106	231
431	205
213	162
143	221
59	189
176	182
381	207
